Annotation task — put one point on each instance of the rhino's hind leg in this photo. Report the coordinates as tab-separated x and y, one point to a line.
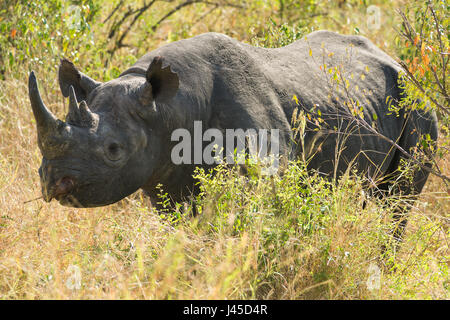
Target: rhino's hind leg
406	180
400	196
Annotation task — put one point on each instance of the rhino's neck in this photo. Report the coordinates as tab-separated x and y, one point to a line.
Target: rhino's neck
138	71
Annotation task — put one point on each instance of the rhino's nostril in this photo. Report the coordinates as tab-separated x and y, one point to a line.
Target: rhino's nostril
63	186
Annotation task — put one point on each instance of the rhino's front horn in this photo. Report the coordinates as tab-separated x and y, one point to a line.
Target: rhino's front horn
45	120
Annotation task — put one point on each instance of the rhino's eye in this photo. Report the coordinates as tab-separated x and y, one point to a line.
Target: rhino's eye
113	151
113	148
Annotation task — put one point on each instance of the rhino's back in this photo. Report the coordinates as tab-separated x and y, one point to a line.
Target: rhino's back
307	68
298	68
325	71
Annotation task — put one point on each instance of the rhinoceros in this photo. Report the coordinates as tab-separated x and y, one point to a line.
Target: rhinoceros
116	137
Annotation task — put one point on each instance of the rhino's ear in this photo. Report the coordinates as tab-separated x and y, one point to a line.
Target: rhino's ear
68	76
164	82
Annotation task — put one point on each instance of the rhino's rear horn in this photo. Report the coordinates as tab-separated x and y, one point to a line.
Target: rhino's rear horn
73	116
45	120
87	117
79	115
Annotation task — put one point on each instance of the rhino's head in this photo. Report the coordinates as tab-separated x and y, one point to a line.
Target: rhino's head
105	149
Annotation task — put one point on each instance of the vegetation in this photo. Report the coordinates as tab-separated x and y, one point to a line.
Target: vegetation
287	237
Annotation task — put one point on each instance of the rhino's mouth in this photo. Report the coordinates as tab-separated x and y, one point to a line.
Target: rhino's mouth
69	200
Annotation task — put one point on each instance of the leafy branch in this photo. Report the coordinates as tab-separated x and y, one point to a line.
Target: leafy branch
434	61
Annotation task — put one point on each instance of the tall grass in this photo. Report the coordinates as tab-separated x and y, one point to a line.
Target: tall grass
291	237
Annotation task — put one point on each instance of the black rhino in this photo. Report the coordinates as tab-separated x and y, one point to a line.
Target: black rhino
118	138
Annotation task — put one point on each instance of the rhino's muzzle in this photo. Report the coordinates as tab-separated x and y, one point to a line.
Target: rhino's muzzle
61	190
63	187
54	185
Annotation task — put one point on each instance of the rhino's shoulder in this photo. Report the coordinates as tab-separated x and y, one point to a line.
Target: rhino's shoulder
211	36
182	53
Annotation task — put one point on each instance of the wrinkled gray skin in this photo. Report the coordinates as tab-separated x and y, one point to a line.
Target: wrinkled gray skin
118	139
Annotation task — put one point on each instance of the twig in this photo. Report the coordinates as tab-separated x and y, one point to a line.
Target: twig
138	12
116	25
444	61
136	17
420	87
114	11
205	14
410	34
33	200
